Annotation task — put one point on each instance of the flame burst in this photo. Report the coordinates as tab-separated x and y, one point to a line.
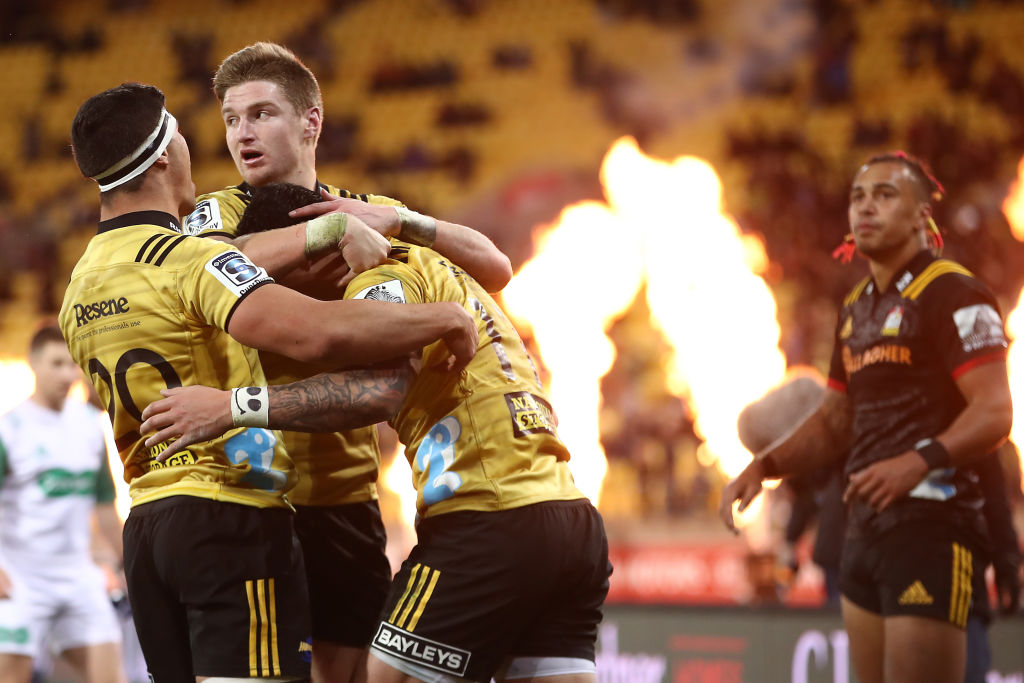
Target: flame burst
664	226
1013	209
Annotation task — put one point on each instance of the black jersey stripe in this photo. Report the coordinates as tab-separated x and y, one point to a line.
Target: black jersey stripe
167	251
157	246
145	245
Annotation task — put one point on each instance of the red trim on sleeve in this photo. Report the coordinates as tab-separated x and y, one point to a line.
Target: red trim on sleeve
836	384
980	360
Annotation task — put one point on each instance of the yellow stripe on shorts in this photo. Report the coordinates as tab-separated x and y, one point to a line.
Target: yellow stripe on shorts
962	589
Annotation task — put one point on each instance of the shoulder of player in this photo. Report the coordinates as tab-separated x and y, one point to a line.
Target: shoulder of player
217	213
943	279
368	198
185	251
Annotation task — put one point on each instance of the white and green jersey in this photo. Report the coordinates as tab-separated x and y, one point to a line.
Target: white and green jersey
53	472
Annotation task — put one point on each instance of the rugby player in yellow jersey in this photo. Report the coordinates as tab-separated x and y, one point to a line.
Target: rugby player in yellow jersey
511	567
215	578
273	113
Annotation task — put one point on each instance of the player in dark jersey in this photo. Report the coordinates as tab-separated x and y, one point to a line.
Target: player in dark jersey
494	494
917	393
215	578
272	109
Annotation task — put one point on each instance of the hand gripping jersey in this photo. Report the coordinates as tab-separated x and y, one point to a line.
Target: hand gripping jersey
484	439
147	308
897	355
333	468
53	472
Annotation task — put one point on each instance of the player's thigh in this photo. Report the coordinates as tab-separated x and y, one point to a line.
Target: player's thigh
867	641
100	663
347	570
15	668
334	663
477	582
561	636
87	616
243	586
24	621
159	616
924	650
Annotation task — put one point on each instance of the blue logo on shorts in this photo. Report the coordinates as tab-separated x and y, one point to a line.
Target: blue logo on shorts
255	447
306	650
434	456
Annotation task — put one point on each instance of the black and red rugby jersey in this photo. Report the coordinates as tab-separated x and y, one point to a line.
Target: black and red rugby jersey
897	356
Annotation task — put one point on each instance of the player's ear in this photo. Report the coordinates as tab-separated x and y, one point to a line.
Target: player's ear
924	212
314	121
164	160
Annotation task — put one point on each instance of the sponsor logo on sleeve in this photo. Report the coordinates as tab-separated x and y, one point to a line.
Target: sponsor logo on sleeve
422	651
979	327
530	414
236	272
385	291
204	218
86	313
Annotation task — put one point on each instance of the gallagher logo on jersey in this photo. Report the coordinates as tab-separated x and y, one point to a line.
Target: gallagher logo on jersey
204	218
236	272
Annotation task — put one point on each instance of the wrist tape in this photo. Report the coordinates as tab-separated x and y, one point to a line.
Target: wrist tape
250	407
324	233
934	453
416	228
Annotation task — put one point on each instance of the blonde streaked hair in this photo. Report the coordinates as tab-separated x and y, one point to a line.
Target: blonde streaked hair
274	63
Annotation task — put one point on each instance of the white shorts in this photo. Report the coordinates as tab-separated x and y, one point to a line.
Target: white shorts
56	608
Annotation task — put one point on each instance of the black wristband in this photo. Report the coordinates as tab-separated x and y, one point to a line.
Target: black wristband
934	453
769	468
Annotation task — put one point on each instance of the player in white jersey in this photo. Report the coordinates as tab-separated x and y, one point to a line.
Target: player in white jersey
53	476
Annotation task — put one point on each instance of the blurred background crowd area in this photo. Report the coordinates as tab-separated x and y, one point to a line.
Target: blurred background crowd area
497	113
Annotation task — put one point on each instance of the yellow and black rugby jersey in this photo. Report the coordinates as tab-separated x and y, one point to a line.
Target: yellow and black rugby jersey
484	439
898	354
333	468
146	309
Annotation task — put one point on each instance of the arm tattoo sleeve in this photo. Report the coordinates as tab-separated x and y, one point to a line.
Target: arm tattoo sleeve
345	399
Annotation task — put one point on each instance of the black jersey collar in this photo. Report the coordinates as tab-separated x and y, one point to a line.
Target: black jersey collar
247	188
164	220
911	270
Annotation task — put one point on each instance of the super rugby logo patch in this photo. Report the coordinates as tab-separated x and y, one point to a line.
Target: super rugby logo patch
204	218
236	272
390	291
423	651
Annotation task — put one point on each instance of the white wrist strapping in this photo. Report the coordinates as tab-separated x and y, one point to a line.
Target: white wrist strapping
324	233
250	407
416	228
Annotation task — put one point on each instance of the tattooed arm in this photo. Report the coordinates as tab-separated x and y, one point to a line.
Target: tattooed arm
328	402
336	401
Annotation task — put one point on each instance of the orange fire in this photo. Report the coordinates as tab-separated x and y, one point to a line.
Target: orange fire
1013	205
1013	208
663	226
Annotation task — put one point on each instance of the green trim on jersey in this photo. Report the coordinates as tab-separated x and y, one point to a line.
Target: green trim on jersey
3	463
